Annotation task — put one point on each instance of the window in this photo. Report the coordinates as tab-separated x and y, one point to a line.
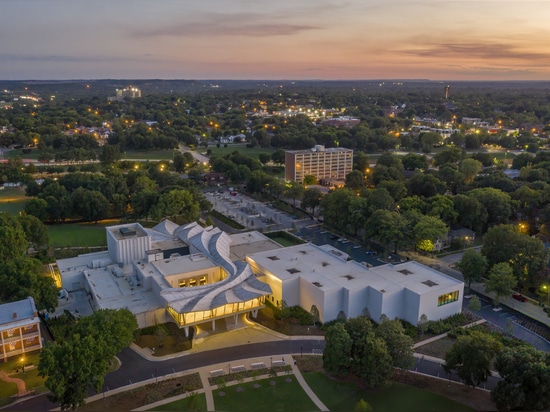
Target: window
182	283
447	298
202	280
192	282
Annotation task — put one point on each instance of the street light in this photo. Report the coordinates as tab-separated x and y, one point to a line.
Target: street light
23	363
545	288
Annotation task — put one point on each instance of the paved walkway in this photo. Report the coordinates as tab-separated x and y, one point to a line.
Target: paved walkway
220	370
21	387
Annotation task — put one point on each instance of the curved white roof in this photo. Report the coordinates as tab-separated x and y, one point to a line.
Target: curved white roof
240	285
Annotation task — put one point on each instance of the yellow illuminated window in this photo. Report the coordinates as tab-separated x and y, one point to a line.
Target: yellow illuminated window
447	298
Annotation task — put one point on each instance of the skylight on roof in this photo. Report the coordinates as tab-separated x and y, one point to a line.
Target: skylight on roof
273	257
293	270
430	283
406	272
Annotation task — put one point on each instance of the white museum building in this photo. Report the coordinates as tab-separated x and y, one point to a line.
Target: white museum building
196	276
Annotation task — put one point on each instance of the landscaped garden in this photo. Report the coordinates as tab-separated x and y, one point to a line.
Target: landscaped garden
14	368
164	339
281	393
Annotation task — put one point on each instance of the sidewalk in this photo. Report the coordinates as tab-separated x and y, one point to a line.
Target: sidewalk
218	370
529	308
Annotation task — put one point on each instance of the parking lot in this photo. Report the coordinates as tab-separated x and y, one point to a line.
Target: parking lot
253	214
319	236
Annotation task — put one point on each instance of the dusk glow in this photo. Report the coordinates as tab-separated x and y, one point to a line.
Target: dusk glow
304	39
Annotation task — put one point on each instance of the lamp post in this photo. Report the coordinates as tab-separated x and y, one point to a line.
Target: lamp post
23	363
545	287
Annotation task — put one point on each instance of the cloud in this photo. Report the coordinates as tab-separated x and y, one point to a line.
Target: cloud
243	24
481	51
69	59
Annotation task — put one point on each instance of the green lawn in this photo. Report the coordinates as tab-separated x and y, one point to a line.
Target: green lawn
192	403
343	396
283	396
13	200
248	151
30	376
78	234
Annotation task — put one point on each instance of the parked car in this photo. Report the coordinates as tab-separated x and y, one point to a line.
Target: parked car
519	297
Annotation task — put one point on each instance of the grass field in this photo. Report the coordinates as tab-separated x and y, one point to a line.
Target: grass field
30	376
192	403
13	200
344	396
79	234
222	151
282	396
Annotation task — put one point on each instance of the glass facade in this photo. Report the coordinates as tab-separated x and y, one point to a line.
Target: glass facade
447	298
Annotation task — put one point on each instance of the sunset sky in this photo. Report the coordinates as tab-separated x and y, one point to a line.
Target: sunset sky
283	39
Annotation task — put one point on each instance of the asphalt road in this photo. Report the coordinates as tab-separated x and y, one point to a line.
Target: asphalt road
135	368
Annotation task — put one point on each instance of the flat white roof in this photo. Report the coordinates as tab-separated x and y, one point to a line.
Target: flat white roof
183	264
113	292
327	271
244	244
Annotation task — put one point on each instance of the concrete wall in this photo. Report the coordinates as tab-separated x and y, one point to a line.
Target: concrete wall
428	303
127	250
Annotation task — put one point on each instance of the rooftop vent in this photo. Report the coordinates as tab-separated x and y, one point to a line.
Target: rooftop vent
318	284
273	257
429	283
127	231
293	270
303	252
406	272
325	264
348	277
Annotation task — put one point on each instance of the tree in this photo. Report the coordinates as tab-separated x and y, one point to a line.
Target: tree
71	367
399	344
471	356
13	242
109	154
310	180
501	281
495	202
355	180
179	162
525	383
114	327
295	191
426	231
25	276
336	355
179	204
81	360
35	231
527	255
474	304
375	368
469	169
312	199
357	329
91	205
38	208
314	312
473	266
387	227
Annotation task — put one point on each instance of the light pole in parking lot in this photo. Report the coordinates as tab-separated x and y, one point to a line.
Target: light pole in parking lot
545	288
